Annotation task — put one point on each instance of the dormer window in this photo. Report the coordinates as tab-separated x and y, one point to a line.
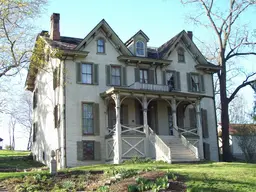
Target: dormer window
100	45
181	55
140	48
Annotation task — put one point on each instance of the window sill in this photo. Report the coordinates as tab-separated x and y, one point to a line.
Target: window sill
98	53
85	83
184	62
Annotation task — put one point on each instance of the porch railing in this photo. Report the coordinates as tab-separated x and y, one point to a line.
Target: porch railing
151	87
162	151
184	135
132	129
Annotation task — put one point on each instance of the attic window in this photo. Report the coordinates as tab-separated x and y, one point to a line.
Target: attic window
140	48
100	45
181	55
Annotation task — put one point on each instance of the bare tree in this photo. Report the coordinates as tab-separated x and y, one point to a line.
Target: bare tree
12	126
237	111
234	39
16	33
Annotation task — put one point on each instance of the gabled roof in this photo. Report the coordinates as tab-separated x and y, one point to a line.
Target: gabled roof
110	32
139	32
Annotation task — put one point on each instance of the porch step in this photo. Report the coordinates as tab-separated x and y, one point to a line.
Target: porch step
179	152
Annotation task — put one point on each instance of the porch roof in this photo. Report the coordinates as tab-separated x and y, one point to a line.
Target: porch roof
155	94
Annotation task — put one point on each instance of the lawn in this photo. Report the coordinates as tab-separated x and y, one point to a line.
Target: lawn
16	160
215	177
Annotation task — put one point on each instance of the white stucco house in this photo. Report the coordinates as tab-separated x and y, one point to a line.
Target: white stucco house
104	100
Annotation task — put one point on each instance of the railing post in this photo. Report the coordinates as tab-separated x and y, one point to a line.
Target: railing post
117	135
199	130
174	117
145	124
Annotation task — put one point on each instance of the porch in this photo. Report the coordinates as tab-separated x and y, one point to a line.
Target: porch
150	124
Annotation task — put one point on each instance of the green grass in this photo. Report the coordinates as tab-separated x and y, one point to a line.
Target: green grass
216	177
11	160
8	153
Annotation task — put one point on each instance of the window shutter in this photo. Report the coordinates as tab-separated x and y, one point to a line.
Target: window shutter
164	77
177	81
95	74
189	82
151	78
108	75
78	72
123	76
96	119
204	123
192	118
80	150
137	74
125	114
207	154
201	79
56	116
97	151
137	113
54	78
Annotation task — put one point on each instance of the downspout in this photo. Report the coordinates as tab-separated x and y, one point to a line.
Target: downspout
64	116
216	123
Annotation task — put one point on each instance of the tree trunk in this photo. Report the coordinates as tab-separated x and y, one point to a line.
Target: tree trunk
29	140
224	117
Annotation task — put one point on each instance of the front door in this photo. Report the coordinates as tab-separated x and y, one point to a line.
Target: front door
152	116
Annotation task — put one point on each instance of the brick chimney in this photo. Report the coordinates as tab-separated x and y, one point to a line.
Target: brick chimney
55	26
190	35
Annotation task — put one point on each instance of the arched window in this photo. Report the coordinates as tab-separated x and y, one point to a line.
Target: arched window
181	55
140	48
100	45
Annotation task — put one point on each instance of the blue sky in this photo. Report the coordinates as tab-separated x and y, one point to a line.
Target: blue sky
159	19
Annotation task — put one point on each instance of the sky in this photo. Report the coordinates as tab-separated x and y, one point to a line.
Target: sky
159	19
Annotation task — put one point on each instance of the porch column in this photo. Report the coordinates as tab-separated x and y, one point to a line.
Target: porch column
145	124
199	130
117	136
174	117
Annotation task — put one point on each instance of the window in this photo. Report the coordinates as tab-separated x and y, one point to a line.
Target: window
181	55
116	75
35	99
170	80
143	75
87	118
56	116
100	46
88	150
86	73
34	131
195	83
56	78
140	48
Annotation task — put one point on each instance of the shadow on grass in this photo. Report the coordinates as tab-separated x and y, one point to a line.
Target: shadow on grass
18	162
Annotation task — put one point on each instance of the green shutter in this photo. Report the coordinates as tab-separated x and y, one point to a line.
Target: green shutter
137	113
164	78
192	118
204	123
151	77
177	81
96	119
56	116
97	151
78	72
55	75
207	154
137	74
108	75
123	76
189	82
124	109
80	151
201	80
95	74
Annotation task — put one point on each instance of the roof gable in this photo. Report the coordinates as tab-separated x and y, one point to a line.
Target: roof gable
110	34
140	32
